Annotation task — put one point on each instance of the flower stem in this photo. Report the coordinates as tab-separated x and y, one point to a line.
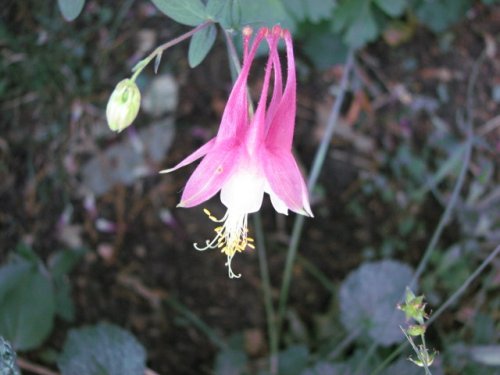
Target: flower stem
233	55
313	177
443	307
137	69
465	285
266	291
196	321
445	217
261	246
317	274
425	354
443	221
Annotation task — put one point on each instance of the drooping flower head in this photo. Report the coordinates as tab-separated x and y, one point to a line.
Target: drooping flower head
250	155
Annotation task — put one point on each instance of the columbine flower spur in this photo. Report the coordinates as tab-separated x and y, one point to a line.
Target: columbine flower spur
250	155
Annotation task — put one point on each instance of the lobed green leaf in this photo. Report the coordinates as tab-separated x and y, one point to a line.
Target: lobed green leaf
70	9
28	307
102	349
312	10
62	262
226	12
393	8
201	43
187	12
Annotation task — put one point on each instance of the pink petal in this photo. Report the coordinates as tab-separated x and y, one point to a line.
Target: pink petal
210	175
281	128
278	81
285	179
235	117
202	151
257	130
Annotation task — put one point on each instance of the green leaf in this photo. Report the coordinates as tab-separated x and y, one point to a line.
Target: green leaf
323	47
187	12
438	15
355	19
215	8
364	29
26	253
446	168
345	13
11	274
312	10
393	8
103	349
201	43
225	12
293	360
230	362
70	9
62	262
27	301
64	306
258	13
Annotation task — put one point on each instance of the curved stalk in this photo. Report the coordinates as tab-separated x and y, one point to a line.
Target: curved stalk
311	183
137	69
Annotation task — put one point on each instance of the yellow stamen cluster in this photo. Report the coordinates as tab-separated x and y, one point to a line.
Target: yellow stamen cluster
231	237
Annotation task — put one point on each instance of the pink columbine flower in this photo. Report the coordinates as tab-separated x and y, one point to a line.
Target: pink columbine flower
250	155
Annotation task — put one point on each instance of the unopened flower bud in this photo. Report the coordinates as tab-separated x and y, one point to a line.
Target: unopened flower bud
123	105
416	330
414	307
425	359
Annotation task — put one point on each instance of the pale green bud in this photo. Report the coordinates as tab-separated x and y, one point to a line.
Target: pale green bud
416	330
414	307
425	359
123	105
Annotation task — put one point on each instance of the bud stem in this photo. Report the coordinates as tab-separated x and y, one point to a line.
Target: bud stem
137	69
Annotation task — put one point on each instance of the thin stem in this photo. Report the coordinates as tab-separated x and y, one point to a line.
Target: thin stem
317	274
461	178
233	55
196	321
443	221
390	358
157	299
119	18
445	217
137	69
34	368
471	84
331	124
426	354
266	291
313	177
465	285
344	344
40	370
444	306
